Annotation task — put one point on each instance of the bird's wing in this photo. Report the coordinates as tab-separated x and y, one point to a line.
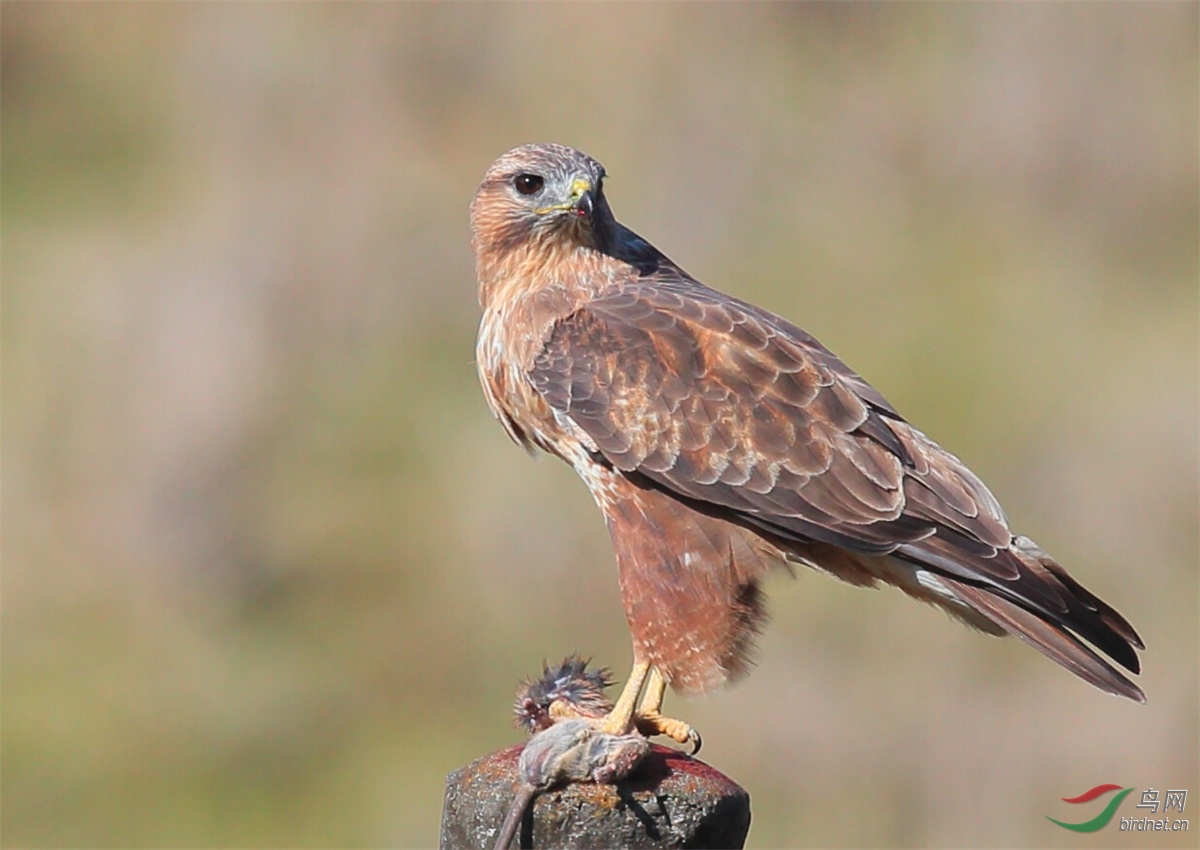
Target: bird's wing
727	404
721	402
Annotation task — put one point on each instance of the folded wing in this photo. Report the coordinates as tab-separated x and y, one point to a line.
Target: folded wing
717	401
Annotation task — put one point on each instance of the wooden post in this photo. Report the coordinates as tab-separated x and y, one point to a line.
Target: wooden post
671	800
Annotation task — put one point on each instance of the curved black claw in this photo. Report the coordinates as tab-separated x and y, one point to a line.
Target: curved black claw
697	741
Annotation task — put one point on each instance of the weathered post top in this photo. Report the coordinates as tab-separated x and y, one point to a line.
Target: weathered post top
671	800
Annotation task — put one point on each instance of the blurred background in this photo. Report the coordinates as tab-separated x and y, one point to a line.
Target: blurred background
270	569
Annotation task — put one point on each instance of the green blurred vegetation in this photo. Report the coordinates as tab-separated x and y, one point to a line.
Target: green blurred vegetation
270	571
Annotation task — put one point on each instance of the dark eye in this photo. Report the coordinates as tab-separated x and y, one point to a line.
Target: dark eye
527	184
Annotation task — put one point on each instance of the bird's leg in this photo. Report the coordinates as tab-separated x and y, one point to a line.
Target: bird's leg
650	721
620	719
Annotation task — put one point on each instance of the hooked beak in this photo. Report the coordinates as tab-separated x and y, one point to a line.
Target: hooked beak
583	198
582	201
585	204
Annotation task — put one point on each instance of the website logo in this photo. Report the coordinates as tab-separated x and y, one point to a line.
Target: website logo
1101	820
1175	798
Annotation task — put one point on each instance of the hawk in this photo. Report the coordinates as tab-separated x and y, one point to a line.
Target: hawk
721	441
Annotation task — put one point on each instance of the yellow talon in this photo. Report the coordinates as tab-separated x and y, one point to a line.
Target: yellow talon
678	731
647	718
620	719
650	720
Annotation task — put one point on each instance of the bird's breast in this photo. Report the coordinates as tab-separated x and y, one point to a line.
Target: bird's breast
510	336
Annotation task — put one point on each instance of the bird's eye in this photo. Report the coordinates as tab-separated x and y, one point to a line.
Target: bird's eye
527	184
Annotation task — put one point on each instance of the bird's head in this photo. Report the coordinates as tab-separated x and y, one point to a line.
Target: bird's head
538	195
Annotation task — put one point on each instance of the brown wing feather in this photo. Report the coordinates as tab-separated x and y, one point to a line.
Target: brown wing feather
718	401
725	403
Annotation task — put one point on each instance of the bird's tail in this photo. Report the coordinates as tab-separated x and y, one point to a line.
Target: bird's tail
1055	629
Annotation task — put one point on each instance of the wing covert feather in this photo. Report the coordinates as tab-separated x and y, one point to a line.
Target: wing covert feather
721	402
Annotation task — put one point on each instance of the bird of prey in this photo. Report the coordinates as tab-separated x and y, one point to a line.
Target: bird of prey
721	440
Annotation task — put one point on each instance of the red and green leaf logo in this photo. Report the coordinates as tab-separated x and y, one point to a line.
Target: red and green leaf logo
1101	820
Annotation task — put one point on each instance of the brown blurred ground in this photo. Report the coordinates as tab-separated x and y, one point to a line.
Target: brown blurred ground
270	571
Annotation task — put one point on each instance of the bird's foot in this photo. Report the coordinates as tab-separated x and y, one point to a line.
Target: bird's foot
651	723
617	722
